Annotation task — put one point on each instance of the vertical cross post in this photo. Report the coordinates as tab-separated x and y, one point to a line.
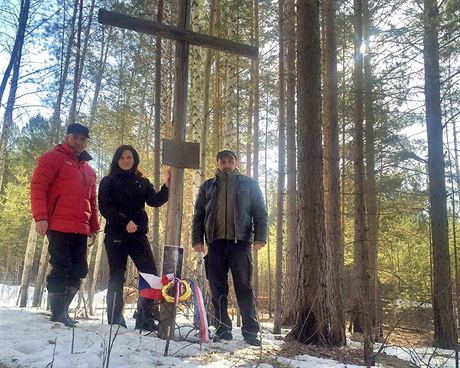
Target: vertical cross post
175	202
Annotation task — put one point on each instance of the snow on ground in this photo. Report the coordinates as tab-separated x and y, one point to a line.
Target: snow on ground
424	357
29	339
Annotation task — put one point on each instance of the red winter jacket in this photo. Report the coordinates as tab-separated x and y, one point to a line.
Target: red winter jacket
63	191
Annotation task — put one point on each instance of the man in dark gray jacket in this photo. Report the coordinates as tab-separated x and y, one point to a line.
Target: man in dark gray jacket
230	215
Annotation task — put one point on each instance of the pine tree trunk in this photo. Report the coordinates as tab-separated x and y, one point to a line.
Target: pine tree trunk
250	136
17	47
56	118
371	192
207	80
291	279
255	175
361	303
8	116
39	283
229	125
86	282
86	40
8	262
196	106
28	263
199	263
454	212
281	171
457	181
100	73
97	264
334	241
78	67
444	322
157	249
311	303
268	246
216	115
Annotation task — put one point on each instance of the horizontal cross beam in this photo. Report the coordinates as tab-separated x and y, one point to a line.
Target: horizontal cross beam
162	30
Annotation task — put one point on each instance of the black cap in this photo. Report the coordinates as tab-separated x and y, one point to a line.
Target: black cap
224	153
77	128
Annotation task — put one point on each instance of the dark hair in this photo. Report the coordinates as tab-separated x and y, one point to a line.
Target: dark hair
115	168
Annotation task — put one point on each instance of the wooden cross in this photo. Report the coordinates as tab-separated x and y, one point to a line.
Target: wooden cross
183	37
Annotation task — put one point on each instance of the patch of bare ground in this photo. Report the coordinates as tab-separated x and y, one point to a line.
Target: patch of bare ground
343	355
407	327
392	361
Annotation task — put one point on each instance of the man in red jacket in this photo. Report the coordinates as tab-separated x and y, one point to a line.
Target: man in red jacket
63	201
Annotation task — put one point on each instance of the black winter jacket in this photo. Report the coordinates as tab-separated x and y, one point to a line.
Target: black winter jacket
249	211
122	197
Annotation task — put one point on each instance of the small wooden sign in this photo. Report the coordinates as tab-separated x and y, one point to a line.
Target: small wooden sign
185	155
172	260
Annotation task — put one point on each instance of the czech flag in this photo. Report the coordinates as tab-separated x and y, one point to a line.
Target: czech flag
150	286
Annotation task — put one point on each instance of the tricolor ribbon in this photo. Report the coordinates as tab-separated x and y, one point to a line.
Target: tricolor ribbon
200	311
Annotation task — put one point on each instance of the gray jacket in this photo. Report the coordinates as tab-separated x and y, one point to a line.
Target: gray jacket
250	214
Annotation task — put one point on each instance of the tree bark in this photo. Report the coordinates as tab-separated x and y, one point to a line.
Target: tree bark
18	43
97	264
361	303
8	116
196	106
371	192
255	175
281	171
291	278
199	265
56	118
28	263
230	107
444	322
334	240
311	305
207	79
157	251
78	67
39	284
457	180
100	73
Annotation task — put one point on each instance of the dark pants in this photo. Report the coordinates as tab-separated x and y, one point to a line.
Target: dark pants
225	255
67	259
118	248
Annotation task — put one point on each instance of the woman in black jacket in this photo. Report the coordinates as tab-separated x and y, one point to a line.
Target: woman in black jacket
122	198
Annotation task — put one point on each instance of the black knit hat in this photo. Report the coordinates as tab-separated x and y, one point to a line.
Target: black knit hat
77	128
224	153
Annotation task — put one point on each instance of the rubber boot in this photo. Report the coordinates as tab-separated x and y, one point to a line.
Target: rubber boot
117	308
58	309
70	293
145	316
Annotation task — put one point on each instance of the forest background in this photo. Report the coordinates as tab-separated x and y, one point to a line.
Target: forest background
60	66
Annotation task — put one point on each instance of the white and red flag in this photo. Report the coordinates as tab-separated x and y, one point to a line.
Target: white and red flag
150	285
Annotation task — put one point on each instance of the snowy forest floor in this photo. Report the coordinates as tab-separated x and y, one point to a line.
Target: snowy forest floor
29	339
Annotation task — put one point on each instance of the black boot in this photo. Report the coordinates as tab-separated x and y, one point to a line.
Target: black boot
115	305
58	309
145	316
70	293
